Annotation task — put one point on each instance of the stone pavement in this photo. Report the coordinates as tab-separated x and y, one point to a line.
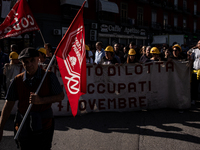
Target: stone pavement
162	129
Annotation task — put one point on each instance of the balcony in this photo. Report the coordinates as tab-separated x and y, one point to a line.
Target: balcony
186	30
186	11
142	24
197	32
178	29
167	5
105	16
142	1
156	3
177	8
126	21
156	26
167	28
196	14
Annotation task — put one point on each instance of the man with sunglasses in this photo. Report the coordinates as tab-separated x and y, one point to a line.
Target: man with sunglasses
177	52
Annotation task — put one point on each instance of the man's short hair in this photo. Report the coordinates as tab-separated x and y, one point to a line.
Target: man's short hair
48	45
14	46
132	43
99	44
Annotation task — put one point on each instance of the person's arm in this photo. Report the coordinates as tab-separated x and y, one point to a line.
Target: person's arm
36	99
5	115
57	93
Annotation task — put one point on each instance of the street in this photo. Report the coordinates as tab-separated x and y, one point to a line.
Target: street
165	129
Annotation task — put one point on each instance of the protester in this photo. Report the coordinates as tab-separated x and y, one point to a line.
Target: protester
109	57
194	55
99	54
132	45
125	50
42	56
184	48
131	56
37	132
10	67
167	55
155	54
89	55
14	48
14	58
164	47
93	50
48	48
118	53
3	60
146	55
142	50
177	52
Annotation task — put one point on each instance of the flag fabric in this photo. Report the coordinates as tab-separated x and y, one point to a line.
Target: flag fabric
70	55
19	20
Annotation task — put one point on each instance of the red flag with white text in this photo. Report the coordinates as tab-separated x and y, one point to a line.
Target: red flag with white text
70	55
19	20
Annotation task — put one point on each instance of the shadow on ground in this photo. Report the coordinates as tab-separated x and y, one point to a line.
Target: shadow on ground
133	123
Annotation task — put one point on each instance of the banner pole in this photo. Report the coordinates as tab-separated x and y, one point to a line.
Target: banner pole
30	105
42	36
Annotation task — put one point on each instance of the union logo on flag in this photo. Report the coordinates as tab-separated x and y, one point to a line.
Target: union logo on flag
70	55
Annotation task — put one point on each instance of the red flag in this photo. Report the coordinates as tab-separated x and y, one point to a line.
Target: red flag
70	55
19	20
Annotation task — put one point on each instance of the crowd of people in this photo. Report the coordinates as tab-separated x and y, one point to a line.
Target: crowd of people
120	54
40	124
106	55
45	55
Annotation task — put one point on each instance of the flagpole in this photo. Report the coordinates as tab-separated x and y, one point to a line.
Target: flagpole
42	36
30	105
69	27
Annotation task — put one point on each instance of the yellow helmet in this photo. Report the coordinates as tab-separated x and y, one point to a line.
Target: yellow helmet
109	49
154	50
42	50
87	48
13	55
176	45
131	52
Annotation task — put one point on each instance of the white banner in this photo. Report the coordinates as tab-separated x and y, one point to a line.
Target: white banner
131	87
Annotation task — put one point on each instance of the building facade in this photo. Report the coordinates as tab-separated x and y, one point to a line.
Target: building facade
111	21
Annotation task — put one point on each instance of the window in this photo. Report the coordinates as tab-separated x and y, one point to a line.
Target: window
12	3
195	8
175	21
176	4
184	23
124	10
184	4
165	20
195	26
154	19
140	16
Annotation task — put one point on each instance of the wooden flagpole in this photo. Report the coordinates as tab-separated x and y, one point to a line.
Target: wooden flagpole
42	36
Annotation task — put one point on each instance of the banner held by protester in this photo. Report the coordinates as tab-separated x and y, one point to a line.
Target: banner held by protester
19	20
72	62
